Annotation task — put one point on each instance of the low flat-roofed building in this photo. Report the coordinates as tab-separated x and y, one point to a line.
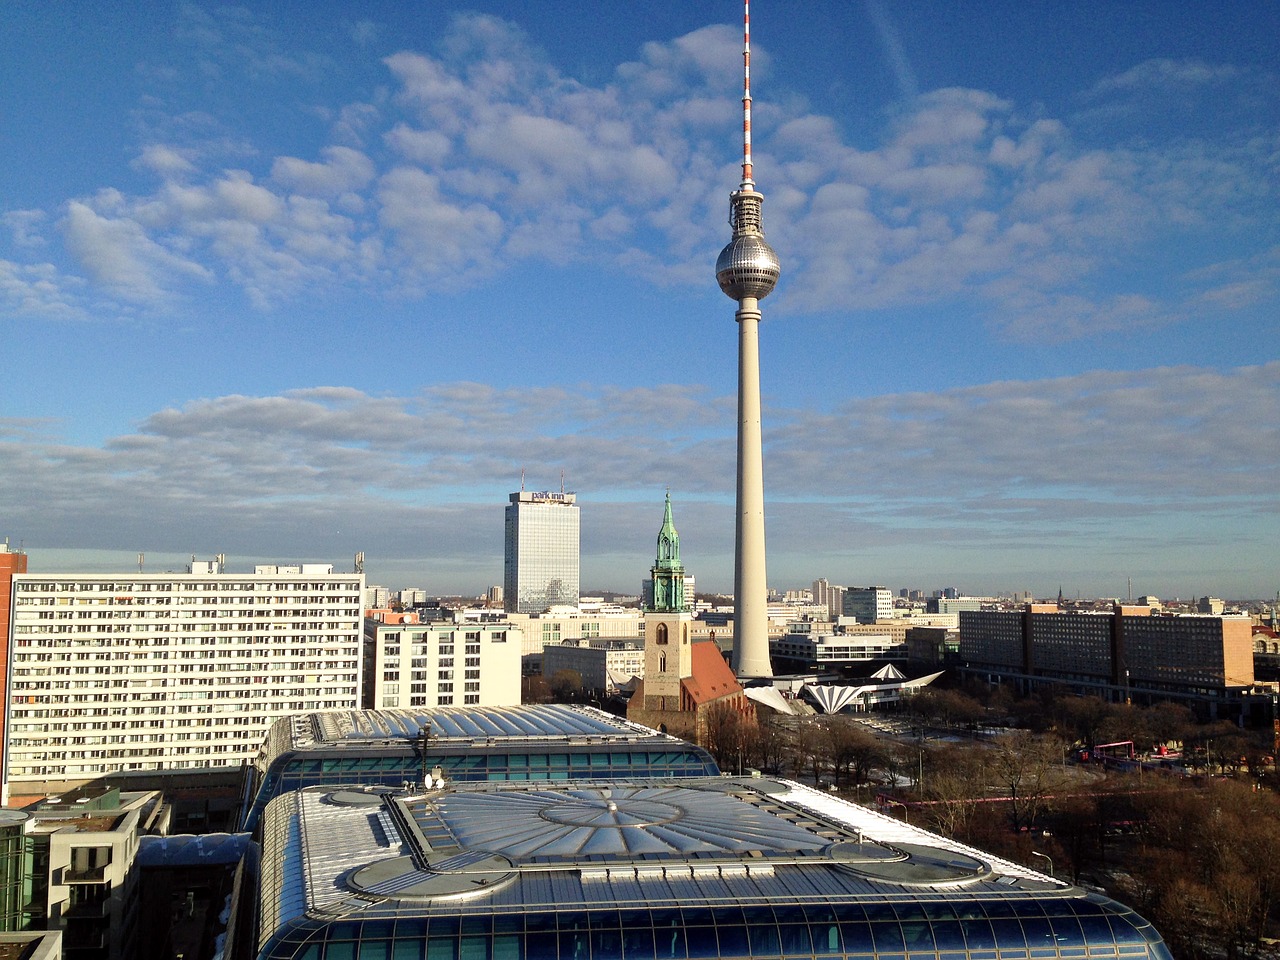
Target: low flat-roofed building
560	625
80	877
530	742
811	646
706	868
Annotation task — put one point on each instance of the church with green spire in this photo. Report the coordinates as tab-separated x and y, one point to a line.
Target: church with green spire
667	572
683	679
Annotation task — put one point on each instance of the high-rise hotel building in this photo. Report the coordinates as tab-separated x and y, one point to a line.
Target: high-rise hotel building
540	561
132	671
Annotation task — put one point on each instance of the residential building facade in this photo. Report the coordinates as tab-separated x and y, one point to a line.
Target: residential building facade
12	562
414	665
133	672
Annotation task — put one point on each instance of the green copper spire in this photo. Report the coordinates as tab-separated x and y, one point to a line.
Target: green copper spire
668	571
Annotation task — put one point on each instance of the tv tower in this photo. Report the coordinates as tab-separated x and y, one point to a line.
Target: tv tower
747	271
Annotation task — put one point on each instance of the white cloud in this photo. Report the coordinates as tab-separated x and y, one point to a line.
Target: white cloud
26	227
483	155
165	161
1105	461
118	254
344	170
36	290
1165	72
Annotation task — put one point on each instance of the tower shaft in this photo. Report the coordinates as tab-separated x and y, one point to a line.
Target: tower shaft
750	585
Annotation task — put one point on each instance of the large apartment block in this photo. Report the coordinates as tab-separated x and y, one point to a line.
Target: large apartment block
1127	654
132	671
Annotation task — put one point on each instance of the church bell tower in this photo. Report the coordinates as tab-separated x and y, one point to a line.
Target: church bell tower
667	655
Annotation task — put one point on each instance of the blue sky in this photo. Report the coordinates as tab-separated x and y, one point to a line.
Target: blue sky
287	282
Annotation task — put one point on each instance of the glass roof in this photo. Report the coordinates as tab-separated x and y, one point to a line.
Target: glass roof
617	822
536	721
718	859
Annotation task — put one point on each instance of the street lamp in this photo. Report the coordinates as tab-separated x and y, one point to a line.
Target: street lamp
898	803
1037	853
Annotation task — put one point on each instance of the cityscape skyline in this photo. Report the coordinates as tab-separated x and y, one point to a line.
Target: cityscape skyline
1026	336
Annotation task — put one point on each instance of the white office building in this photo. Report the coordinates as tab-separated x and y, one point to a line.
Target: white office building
147	671
809	646
416	665
540	563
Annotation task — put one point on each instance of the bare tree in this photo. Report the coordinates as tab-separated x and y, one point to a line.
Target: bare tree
1028	769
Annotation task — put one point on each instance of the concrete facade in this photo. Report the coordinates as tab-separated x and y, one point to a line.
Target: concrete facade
408	665
1130	653
133	672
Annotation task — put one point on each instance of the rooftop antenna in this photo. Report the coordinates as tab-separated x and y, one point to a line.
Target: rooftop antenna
522	479
747	183
562	483
141	557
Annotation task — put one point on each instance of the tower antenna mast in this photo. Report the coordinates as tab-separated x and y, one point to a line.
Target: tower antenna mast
747	182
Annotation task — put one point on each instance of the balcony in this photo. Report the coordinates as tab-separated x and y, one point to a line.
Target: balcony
72	875
94	909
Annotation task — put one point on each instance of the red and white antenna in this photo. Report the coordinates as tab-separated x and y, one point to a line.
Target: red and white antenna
747	182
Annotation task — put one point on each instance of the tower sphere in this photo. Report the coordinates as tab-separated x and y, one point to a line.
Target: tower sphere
747	267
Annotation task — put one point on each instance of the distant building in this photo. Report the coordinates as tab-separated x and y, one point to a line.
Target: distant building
811	646
603	665
411	666
868	604
570	625
1129	654
540	563
933	646
1211	606
114	673
945	605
